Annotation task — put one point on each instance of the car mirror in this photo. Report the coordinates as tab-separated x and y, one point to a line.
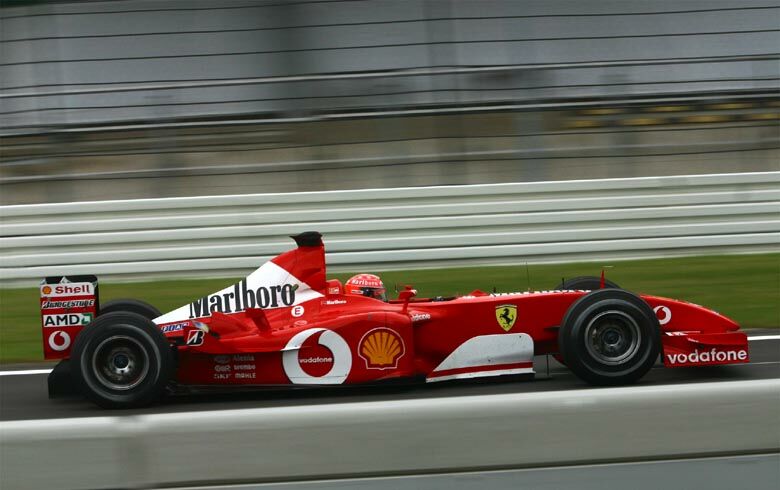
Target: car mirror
406	295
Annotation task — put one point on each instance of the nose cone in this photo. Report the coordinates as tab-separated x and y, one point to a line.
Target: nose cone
674	315
708	320
728	324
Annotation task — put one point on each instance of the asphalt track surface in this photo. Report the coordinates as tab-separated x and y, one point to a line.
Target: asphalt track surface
24	396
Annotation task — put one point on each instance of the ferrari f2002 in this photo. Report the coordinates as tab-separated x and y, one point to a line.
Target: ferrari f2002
287	324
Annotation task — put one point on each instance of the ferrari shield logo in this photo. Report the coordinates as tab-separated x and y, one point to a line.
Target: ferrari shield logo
506	316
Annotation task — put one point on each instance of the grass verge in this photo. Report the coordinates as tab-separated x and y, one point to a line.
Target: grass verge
743	287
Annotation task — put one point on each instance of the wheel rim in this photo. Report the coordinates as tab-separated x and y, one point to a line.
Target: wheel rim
120	363
612	337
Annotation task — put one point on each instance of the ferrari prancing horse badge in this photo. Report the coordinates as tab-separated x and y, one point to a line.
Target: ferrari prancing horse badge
506	316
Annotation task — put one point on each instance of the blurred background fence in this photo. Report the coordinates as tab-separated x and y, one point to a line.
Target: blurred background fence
135	99
396	228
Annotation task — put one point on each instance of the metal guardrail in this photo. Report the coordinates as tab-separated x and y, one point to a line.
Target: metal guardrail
392	437
397	228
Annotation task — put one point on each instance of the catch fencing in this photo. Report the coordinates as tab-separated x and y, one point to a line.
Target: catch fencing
384	229
77	63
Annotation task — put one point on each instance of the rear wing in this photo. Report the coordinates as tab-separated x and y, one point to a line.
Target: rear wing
68	304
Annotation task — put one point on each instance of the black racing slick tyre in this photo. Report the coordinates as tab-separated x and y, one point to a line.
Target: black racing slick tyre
130	305
122	360
609	337
586	283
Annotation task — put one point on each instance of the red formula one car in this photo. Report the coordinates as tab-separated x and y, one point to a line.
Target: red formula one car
286	324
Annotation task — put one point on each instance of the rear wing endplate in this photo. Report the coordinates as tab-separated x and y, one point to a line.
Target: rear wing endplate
68	304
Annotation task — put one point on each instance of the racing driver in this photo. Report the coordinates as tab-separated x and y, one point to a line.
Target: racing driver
368	285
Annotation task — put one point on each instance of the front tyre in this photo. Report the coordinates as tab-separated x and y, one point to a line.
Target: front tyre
122	360
609	337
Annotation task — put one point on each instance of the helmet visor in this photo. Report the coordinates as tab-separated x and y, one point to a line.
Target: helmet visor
377	293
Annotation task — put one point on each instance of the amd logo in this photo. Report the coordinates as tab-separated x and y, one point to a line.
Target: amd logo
67	319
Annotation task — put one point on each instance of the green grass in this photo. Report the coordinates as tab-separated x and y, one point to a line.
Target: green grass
743	287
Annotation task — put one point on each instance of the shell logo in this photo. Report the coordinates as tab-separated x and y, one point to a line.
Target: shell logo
381	348
46	290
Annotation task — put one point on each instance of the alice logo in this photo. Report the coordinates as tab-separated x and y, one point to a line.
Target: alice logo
381	348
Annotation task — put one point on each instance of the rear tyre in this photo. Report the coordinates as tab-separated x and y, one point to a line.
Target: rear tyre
122	360
130	305
609	337
587	283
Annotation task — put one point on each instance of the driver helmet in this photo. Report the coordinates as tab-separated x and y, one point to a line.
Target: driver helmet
368	285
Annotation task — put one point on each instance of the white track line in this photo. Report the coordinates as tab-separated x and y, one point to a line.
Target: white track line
764	337
47	371
29	371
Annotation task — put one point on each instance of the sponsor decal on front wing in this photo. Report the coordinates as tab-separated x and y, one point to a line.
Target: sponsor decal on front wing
711	356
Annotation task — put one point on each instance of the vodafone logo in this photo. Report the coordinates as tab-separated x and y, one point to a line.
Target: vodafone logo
317	357
664	314
59	341
713	355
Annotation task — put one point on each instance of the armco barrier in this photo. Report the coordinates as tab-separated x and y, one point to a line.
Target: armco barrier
393	437
393	228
